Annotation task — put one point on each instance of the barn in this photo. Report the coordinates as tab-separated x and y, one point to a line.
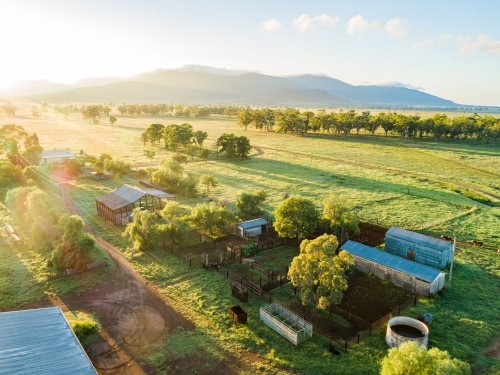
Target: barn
427	250
40	341
56	156
252	228
401	272
116	207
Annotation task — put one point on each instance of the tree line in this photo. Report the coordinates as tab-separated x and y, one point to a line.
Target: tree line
177	110
440	126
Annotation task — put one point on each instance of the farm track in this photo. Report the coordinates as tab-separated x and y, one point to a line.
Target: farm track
363	165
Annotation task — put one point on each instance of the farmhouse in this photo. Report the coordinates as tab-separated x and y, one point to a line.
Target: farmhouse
55	156
423	249
401	272
40	341
252	228
117	206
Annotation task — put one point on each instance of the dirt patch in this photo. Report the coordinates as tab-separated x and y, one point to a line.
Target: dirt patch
371	298
370	234
493	351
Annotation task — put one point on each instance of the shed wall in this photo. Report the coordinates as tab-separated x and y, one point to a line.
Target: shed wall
397	278
422	254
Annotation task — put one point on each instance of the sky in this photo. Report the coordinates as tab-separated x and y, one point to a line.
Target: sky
446	48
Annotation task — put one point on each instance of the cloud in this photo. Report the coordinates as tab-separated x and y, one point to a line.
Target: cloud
271	25
357	24
428	42
442	38
482	43
396	27
399	84
306	23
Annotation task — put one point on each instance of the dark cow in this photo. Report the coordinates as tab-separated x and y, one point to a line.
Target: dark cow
477	243
446	238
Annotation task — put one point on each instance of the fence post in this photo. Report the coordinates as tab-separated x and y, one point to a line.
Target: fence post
415	301
345	346
294	290
227	274
190	263
358	338
399	310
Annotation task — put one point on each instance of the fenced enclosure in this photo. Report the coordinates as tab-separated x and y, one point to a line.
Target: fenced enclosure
239	291
286	323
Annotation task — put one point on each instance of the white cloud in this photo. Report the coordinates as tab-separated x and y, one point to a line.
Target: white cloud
306	23
326	20
396	27
357	24
443	37
481	43
271	25
428	42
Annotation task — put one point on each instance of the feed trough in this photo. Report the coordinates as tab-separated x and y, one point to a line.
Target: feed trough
238	314
402	329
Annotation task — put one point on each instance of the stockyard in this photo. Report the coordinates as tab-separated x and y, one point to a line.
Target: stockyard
165	310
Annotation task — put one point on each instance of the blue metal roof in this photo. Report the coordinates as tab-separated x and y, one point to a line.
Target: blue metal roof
40	341
421	239
383	258
252	223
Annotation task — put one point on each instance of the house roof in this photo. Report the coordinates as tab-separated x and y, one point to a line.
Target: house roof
158	193
47	154
418	238
40	341
252	223
394	262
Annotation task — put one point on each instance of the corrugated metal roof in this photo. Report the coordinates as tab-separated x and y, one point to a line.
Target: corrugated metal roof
252	223
158	193
415	269
47	154
121	197
421	239
40	341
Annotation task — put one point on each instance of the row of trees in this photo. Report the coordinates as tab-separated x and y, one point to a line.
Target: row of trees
440	126
176	110
173	135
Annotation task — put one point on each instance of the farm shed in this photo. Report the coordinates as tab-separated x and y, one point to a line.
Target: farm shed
252	227
401	272
117	206
427	250
40	341
55	156
286	323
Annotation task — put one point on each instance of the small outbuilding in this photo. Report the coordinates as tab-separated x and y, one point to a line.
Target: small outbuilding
252	228
401	272
117	206
55	157
420	248
40	341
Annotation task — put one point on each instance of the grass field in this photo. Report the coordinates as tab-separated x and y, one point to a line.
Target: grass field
435	186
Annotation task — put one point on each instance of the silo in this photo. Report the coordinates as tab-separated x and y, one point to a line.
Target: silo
401	329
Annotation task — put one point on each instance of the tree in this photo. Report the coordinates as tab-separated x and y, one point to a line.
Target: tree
35	112
180	158
203	154
105	156
98	167
341	216
112	120
319	273
143	230
10	175
199	137
144	137
233	146
209	181
245	118
150	154
75	246
248	203
211	218
73	167
412	359
33	154
295	216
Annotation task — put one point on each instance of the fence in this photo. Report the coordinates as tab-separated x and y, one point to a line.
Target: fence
73	271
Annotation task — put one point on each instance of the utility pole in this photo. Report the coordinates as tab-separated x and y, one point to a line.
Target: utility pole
452	259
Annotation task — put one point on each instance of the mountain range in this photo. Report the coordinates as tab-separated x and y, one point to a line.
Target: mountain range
206	85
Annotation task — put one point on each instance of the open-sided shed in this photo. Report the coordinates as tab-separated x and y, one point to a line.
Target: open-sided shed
117	206
401	272
423	249
40	341
252	228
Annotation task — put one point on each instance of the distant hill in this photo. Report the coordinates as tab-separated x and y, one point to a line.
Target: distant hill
132	91
199	85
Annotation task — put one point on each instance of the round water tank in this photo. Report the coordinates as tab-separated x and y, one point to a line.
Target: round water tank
401	329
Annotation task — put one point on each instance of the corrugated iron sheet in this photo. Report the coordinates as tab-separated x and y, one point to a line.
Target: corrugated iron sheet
421	239
252	223
40	341
414	269
121	197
